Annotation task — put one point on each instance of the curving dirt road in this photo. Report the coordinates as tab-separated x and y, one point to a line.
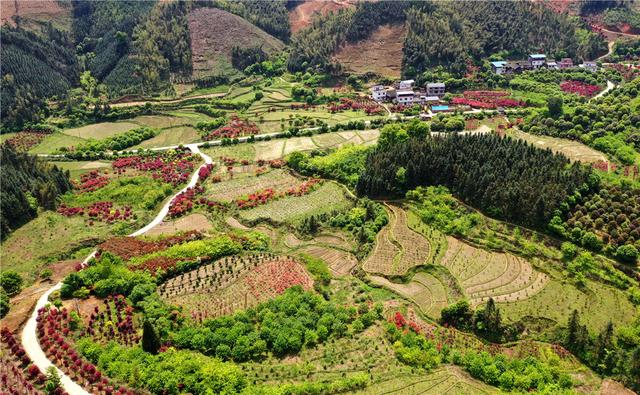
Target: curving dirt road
29	336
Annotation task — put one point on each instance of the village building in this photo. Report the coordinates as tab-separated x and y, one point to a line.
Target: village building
405	97
378	93
406	84
435	89
499	67
537	60
565	63
552	65
590	66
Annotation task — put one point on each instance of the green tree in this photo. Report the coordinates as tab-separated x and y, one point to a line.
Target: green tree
53	380
554	106
627	253
150	339
11	282
4	303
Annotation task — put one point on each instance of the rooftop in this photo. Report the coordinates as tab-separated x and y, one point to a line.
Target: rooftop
499	63
538	56
435	85
404	93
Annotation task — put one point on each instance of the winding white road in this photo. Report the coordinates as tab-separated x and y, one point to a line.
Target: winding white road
29	336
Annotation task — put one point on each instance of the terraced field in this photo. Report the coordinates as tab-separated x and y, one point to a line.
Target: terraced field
425	290
329	197
483	274
398	248
234	283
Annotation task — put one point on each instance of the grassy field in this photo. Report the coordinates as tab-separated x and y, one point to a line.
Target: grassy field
54	142
574	150
77	168
238	187
101	130
326	199
171	136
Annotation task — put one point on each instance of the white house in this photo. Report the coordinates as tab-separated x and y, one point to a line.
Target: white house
378	93
498	67
406	84
405	97
590	66
552	65
537	60
435	88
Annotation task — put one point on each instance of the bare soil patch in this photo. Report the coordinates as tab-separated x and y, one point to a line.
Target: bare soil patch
302	16
215	32
22	304
191	222
41	10
381	53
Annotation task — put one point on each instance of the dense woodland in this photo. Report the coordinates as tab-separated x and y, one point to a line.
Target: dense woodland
34	67
27	183
458	32
506	178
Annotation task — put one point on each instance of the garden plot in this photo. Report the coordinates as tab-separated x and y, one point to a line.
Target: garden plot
426	291
269	150
327	140
483	274
233	283
399	248
298	144
170	137
329	197
196	222
574	150
228	190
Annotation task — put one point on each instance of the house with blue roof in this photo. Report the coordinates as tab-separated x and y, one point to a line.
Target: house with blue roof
498	67
537	60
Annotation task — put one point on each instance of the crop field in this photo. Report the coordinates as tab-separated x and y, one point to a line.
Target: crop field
483	274
424	289
234	283
101	130
596	303
574	150
198	222
240	186
329	197
340	262
171	136
399	248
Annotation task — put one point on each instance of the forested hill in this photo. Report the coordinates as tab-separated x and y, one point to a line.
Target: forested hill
449	33
27	183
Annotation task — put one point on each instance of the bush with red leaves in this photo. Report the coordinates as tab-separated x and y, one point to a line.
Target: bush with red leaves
173	169
92	181
236	128
579	88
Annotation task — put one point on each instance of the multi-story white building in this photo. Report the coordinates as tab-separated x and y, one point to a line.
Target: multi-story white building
499	66
406	84
537	60
590	66
378	93
435	89
405	97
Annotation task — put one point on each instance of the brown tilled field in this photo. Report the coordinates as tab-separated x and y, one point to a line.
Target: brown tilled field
302	16
215	32
381	53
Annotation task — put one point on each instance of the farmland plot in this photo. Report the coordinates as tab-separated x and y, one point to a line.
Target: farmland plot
426	291
329	197
399	248
483	274
237	187
233	283
340	262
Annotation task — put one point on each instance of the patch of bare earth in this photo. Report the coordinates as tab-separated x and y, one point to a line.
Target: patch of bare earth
41	10
22	304
303	15
610	387
381	53
191	222
215	32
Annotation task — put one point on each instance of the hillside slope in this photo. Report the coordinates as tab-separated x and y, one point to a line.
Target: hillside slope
303	14
35	13
381	53
215	32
